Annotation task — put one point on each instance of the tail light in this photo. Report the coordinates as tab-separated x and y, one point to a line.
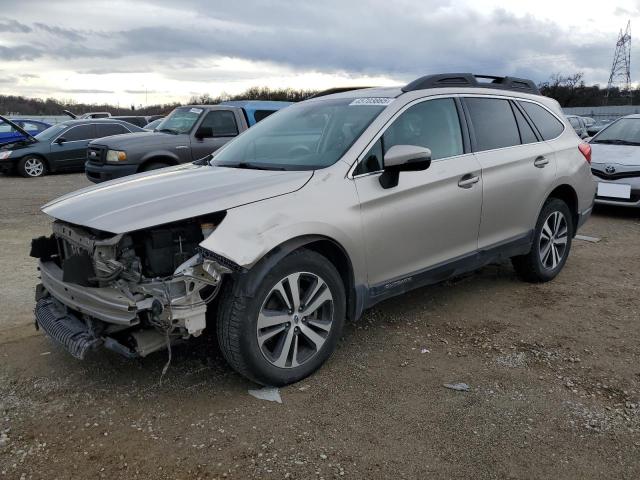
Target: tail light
585	150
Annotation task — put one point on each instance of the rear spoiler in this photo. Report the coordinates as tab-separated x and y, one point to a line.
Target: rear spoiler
17	127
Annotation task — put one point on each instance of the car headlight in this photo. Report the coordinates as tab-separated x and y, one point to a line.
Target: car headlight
5	154
115	156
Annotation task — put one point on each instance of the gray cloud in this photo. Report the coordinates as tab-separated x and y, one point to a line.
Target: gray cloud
65	33
13	26
21	52
85	90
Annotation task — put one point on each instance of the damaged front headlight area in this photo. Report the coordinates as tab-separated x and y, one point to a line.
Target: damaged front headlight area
134	293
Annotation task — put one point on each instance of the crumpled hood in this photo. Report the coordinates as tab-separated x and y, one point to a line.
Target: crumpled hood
170	194
122	142
615	154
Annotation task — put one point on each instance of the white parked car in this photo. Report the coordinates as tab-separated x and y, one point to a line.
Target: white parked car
616	162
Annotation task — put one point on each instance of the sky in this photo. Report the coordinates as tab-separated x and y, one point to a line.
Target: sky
160	51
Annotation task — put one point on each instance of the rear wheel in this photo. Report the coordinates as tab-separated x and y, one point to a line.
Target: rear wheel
551	244
289	325
31	166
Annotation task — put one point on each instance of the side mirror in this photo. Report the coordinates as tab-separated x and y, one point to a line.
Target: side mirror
403	158
60	140
204	132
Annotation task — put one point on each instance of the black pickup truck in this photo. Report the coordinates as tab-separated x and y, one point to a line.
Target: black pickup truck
186	134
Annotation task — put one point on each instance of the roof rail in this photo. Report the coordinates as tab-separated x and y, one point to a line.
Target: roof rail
471	80
331	91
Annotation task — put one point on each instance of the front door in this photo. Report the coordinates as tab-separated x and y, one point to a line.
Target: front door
69	149
216	129
431	217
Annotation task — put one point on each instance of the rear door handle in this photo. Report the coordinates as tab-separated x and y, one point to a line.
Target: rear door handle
468	180
541	161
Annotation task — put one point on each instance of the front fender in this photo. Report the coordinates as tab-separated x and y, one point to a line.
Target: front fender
250	232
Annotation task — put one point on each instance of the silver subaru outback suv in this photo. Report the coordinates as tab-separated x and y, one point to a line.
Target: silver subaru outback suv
312	216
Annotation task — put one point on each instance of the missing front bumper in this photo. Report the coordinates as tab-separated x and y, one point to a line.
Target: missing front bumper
65	328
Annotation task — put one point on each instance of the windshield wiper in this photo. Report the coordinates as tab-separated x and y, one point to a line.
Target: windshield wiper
617	142
249	166
168	130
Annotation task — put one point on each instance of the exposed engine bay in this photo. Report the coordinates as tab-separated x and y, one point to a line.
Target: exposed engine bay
134	293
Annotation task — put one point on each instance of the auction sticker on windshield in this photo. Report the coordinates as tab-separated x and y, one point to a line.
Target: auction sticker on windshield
372	101
196	110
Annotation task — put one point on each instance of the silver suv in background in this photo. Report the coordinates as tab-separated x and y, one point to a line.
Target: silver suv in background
312	216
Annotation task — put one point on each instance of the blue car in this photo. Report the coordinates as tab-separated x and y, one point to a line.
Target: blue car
9	134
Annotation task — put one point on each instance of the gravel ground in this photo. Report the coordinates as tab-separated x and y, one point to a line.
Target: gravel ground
553	373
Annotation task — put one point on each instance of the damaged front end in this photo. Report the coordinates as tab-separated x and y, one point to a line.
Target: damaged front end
134	293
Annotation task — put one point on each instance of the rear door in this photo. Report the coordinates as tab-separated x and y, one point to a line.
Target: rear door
431	217
215	129
69	149
517	169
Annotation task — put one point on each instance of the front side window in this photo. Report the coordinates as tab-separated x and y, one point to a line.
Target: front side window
433	124
222	122
51	132
181	120
493	123
81	132
625	131
306	136
548	125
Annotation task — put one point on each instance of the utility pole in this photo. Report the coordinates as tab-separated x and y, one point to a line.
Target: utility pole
621	67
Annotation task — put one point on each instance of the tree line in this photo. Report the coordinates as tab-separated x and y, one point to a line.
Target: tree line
569	91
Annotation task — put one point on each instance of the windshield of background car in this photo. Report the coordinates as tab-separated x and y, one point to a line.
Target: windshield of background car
181	120
51	132
306	136
625	131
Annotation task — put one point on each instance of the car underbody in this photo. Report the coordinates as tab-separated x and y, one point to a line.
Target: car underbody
134	293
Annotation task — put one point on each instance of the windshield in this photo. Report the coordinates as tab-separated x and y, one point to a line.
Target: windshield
625	131
51	132
306	136
181	120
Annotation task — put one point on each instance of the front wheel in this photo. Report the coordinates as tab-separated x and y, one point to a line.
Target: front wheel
551	244
31	166
289	325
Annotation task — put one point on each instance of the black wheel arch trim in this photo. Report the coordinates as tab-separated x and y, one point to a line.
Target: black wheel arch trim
355	294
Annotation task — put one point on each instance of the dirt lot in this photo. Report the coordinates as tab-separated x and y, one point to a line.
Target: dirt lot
554	373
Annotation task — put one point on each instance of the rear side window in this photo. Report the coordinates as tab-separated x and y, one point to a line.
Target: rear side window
527	134
81	132
548	125
262	114
493	123
223	123
104	130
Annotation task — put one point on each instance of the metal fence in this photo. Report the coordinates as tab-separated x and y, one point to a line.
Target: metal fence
603	113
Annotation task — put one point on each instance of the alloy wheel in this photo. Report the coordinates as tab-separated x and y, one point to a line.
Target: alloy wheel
553	240
34	167
295	320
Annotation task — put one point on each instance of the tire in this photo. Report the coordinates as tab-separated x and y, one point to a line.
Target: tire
32	166
153	166
258	353
547	257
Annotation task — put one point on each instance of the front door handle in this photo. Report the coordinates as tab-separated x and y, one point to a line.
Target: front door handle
541	161
468	180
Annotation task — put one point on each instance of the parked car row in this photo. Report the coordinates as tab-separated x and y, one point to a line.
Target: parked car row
109	147
308	218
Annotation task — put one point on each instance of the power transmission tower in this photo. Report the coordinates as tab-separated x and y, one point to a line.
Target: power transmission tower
621	68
